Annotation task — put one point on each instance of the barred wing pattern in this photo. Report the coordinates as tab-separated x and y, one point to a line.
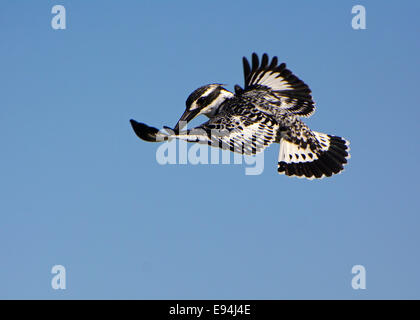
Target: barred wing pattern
235	132
288	91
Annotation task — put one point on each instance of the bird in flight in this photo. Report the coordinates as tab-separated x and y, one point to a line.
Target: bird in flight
267	110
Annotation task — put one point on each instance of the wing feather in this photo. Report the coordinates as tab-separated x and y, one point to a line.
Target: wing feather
288	90
235	132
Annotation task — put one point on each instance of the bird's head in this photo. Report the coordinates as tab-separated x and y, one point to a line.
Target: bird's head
205	100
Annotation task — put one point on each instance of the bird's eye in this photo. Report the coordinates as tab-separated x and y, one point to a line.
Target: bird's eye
201	101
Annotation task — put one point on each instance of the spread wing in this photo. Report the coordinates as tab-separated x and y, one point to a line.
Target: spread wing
282	87
235	132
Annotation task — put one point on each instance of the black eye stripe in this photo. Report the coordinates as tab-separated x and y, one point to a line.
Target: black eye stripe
200	100
195	95
209	98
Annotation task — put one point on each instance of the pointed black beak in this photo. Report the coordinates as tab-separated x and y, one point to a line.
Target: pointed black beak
186	117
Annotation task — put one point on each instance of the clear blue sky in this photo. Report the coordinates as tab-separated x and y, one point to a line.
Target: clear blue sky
79	189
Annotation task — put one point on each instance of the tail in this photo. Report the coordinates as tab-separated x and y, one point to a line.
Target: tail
329	159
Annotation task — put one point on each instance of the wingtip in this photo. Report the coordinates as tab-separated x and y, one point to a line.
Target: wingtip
144	131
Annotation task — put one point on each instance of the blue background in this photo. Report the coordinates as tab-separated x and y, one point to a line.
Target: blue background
79	189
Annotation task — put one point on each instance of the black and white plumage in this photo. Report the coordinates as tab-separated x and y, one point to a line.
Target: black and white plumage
265	111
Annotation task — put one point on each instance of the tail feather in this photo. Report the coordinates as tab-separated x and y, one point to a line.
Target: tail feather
329	159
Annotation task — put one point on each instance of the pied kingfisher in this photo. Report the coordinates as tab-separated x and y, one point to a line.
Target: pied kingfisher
265	111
